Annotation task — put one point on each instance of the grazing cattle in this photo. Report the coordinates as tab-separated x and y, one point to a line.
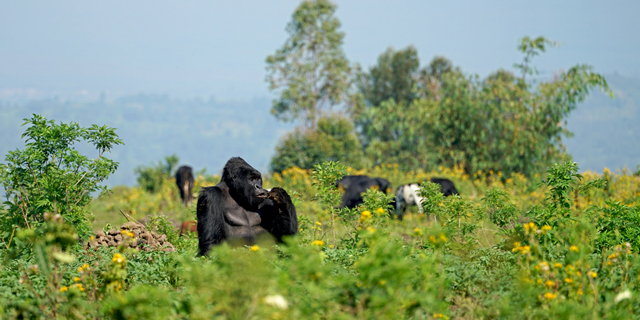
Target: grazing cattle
239	209
188	227
407	195
355	186
184	180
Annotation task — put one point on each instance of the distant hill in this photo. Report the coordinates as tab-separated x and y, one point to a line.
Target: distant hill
204	134
607	131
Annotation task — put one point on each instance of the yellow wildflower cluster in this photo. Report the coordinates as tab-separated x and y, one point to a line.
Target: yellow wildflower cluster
439	316
318	223
440	239
76	279
365	215
63	289
118	258
592	274
549	284
574	248
79	286
127	233
545	228
417	231
380	211
254	248
549	295
83	268
520	248
318	243
542	266
530	227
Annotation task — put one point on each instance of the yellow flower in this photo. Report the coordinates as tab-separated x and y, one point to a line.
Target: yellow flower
568	280
573	248
318	223
379	211
592	274
443	237
545	228
85	266
433	239
117	258
417	231
371	229
79	286
76	279
318	243
255	248
549	283
550	296
365	215
63	289
557	265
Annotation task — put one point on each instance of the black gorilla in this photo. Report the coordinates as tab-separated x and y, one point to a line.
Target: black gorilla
184	180
232	209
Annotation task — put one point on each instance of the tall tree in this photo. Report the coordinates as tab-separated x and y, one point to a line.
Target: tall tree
503	123
394	77
310	72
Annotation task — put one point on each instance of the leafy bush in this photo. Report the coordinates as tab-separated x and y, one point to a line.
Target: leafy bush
50	175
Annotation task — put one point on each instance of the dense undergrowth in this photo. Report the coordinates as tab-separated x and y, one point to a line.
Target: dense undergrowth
562	245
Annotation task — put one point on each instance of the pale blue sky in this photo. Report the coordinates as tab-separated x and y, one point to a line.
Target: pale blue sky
203	48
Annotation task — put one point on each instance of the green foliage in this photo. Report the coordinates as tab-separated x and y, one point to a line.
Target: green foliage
333	140
50	175
151	177
310	72
501	123
394	77
326	174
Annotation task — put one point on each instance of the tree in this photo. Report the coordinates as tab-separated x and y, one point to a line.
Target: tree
394	77
334	140
310	72
50	175
503	123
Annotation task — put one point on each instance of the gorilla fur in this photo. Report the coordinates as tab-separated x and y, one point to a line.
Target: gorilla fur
279	218
231	209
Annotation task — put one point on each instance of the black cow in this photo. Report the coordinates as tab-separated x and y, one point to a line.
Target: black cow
184	180
355	186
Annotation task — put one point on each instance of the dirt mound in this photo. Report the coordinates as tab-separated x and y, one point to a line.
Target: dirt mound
142	239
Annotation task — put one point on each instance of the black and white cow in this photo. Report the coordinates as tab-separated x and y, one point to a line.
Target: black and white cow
407	195
355	186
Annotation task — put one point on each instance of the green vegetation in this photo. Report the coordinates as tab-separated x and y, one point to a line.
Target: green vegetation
529	237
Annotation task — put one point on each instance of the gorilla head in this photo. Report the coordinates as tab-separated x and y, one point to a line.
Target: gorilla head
244	182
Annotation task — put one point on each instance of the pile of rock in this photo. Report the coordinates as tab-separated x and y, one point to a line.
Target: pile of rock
142	239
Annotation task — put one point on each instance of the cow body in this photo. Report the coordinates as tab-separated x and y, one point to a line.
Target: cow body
355	186
408	195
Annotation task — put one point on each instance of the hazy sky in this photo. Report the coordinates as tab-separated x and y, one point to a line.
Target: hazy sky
203	48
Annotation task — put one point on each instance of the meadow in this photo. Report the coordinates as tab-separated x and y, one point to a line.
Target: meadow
563	245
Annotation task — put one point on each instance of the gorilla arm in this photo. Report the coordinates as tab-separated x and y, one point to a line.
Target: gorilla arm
211	228
278	214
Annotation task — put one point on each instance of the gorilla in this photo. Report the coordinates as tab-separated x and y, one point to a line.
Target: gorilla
184	180
239	210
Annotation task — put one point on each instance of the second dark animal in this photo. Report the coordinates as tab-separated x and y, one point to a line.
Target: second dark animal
355	186
184	180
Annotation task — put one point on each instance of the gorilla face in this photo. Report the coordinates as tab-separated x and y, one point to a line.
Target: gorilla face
244	182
